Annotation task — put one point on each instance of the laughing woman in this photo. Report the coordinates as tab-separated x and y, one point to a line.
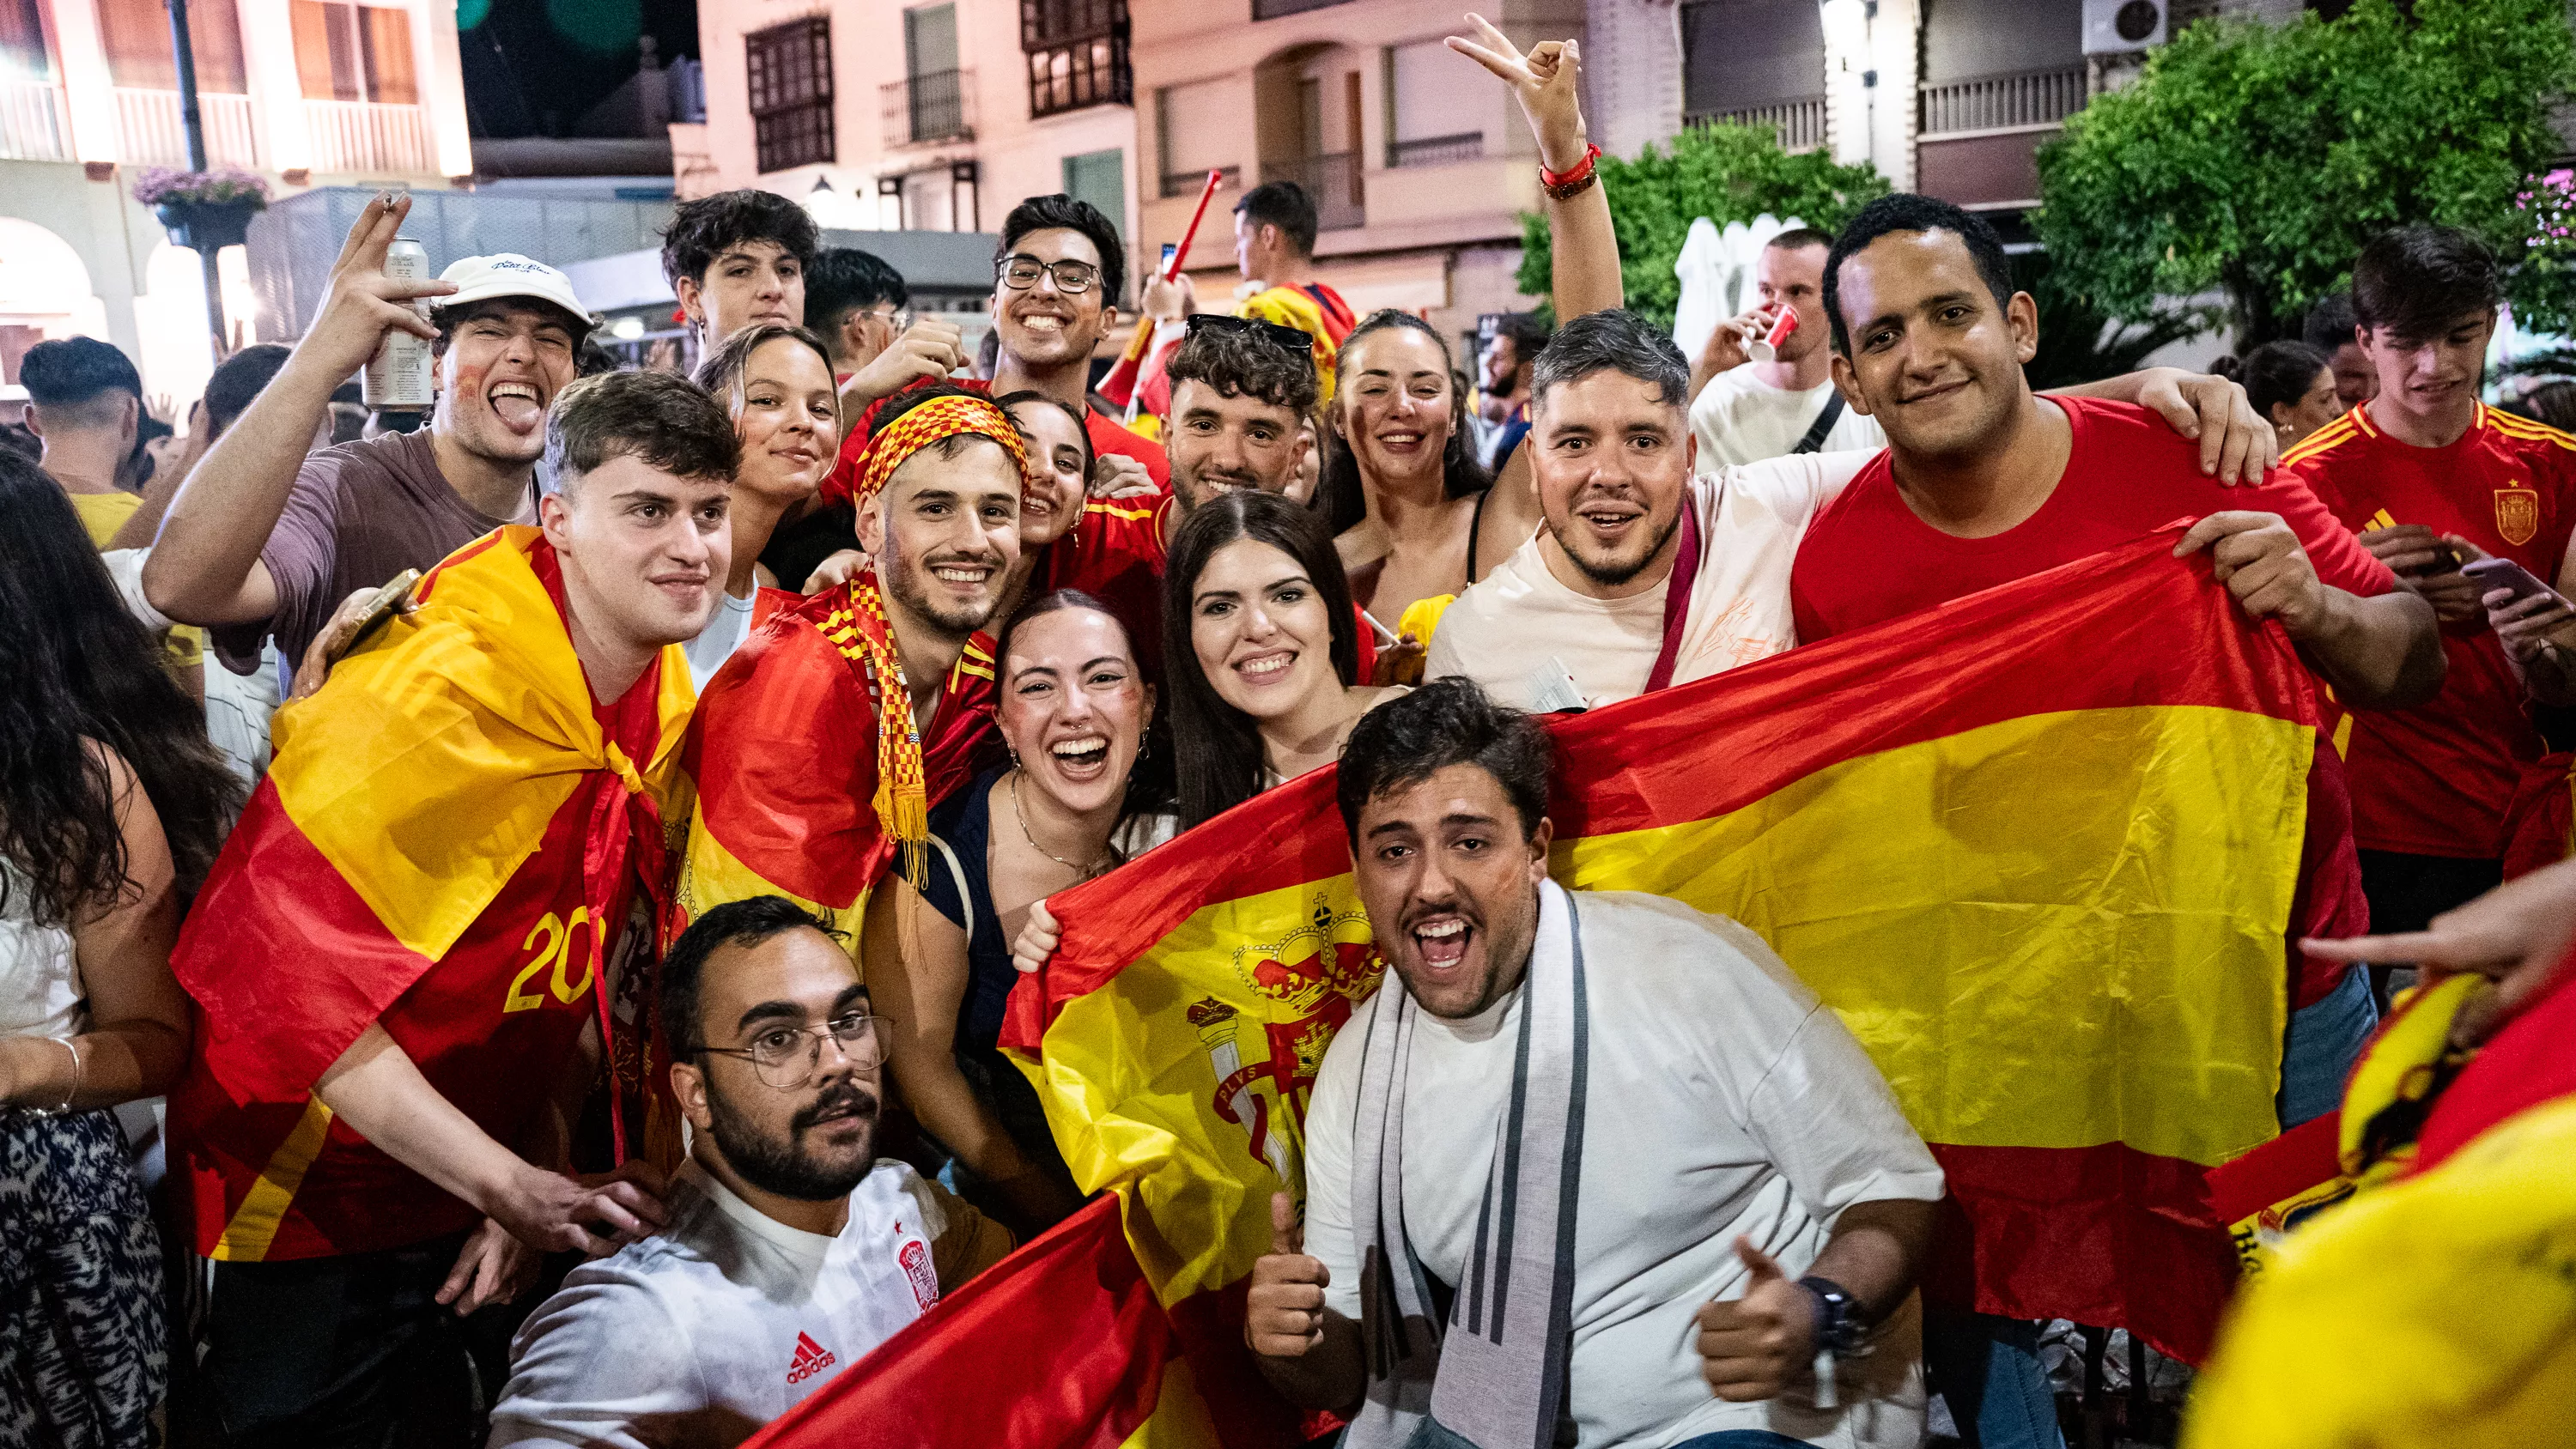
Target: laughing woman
1254	593
1075	713
1051	499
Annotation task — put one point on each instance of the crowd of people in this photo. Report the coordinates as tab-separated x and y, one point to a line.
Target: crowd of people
564	860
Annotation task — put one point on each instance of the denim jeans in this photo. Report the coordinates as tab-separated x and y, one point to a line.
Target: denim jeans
1987	1370
2323	1042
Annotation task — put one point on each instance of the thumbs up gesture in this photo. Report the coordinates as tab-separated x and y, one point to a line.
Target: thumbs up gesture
1283	1315
1751	1347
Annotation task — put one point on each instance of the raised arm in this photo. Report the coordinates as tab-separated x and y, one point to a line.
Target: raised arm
205	568
1583	273
920	990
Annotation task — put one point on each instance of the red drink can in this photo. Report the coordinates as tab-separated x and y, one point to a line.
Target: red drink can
1767	347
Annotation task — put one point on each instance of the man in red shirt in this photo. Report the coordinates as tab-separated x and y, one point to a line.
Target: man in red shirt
2431	478
1056	280
1983	482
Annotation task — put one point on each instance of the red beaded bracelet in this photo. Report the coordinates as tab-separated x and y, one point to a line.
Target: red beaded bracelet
1562	184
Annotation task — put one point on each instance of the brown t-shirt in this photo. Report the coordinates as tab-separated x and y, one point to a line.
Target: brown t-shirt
360	513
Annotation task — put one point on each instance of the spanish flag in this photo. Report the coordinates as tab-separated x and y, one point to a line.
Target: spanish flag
2037	846
445	844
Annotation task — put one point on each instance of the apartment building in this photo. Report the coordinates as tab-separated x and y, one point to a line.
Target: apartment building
305	92
1420	162
1952	98
880	115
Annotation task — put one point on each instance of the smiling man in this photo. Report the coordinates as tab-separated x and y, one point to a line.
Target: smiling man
402	953
792	1248
821	745
1057	277
263	539
2432	478
1710	1186
1983	482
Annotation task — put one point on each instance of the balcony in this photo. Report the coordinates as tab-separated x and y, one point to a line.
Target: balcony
930	108
1436	150
1331	182
1187	183
2032	100
1978	144
33	123
1800	124
149	132
367	136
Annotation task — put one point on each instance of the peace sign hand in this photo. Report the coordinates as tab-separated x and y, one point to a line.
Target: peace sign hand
1544	80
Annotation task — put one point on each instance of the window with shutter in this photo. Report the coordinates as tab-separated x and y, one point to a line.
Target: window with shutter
791	93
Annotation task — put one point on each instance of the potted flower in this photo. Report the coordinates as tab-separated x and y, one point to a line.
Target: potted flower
204	210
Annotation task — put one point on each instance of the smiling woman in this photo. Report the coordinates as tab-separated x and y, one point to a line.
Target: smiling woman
1255	594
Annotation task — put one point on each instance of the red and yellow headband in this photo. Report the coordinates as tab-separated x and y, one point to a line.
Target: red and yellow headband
943	417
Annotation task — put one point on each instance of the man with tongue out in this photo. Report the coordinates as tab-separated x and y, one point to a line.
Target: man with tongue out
264	540
1670	1198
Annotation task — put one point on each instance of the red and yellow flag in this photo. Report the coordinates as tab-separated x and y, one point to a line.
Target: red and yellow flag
406	814
2038	847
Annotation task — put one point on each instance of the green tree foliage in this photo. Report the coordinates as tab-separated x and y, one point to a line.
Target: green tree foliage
2257	159
2077	344
1724	172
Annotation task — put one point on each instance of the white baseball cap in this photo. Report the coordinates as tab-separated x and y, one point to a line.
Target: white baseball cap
508	274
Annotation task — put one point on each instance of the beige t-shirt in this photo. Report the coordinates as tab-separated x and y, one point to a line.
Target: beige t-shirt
1520	622
1739	418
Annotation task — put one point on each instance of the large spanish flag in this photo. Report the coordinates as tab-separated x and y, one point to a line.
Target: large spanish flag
401	832
2038	847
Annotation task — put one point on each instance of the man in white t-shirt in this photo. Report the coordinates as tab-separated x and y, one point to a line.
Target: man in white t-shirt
1584	613
1702	1183
1744	410
791	1251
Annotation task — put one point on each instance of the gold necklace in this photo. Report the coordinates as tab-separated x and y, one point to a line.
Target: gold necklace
1080	872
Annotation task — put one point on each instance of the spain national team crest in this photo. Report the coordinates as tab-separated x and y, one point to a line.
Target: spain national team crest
2517	514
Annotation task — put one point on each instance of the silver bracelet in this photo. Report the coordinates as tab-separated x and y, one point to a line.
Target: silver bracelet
73	1046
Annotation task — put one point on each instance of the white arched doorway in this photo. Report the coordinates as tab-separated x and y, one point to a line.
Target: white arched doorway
170	319
44	292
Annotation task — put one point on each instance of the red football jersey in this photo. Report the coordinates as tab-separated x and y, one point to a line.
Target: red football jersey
492	1025
2439	779
1868	557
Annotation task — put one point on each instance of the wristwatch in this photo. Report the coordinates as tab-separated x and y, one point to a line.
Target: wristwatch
1839	1330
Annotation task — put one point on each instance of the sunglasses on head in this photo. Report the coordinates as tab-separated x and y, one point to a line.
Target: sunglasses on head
1285	337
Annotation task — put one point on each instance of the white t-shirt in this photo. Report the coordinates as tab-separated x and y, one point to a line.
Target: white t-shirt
1508	626
1738	418
41	993
706	1331
1723	1100
726	628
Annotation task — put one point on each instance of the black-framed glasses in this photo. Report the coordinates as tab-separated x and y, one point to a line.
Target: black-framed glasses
1019	272
784	1056
1287	338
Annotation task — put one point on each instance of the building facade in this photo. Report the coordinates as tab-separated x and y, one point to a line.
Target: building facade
885	116
305	92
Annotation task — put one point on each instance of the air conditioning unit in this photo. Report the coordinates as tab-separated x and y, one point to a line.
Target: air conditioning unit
2117	27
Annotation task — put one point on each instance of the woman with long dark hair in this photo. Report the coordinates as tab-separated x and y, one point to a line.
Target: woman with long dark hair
112	806
1262	647
1413	513
1077	799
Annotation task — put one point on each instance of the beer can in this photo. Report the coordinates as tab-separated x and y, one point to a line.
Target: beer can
1766	348
398	375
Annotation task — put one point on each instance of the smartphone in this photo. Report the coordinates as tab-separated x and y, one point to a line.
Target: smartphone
383	606
2490	574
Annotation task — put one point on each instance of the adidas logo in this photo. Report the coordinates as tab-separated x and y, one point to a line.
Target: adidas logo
811	1359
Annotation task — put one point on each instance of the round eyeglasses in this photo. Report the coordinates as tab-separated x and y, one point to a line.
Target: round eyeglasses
785	1057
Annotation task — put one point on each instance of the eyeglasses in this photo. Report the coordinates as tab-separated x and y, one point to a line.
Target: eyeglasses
1019	272
898	318
1289	339
784	1057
